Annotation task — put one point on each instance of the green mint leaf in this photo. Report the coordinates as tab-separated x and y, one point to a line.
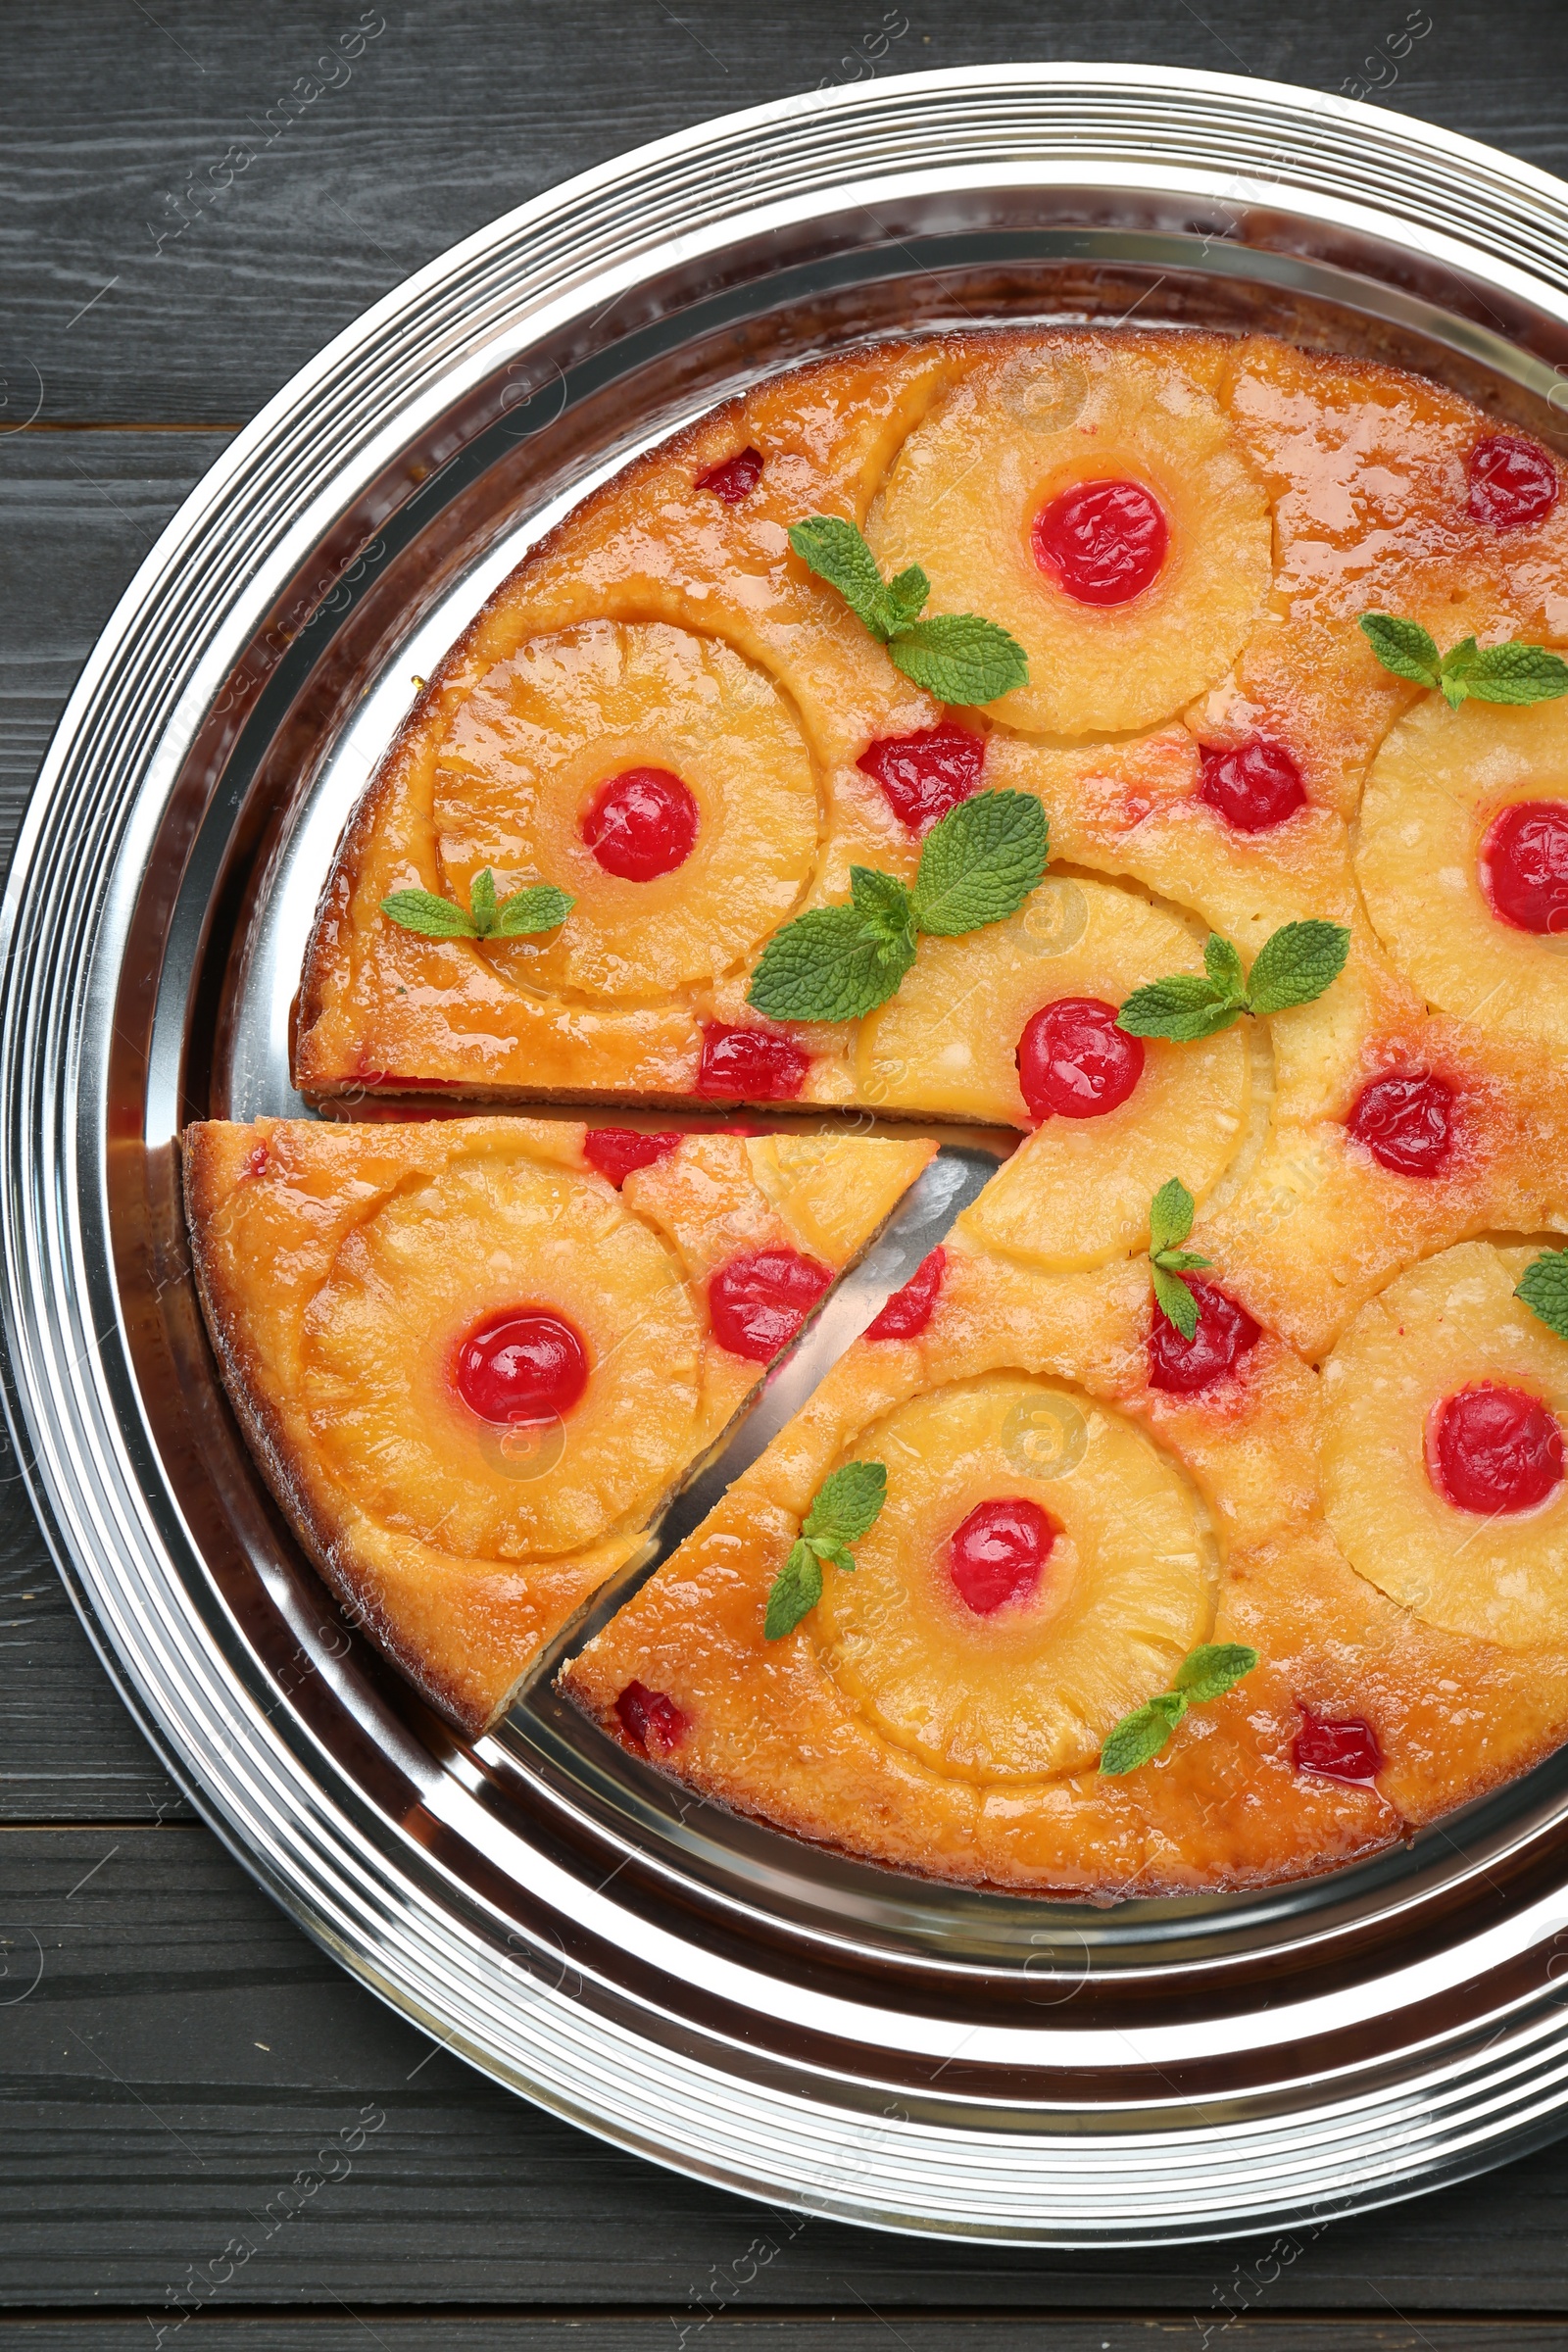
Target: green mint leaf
1140	1736
1176	1300
1515	673
1180	1261
1213	1669
848	1503
830	964
905	598
434	918
1170	1217
884	903
822	1547
1544	1288
539	907
482	902
1181	1007
1223	966
1403	647
837	552
1297	964
980	862
797	1587
960	658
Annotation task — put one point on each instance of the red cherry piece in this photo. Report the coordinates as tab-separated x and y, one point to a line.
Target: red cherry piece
525	1367
1255	785
997	1555
1074	1060
925	775
1524	867
616	1151
1342	1749
751	1066
641	824
908	1311
736	478
1225	1332
1406	1121
1495	1450
1102	542
1511	482
649	1719
758	1303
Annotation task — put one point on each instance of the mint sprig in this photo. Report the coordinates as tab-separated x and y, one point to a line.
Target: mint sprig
1544	1288
978	865
539	907
1514	673
1203	1674
1170	1221
955	655
1292	967
846	1507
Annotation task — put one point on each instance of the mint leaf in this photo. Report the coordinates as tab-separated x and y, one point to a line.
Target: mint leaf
1515	673
1296	966
1544	1288
830	964
482	903
1402	647
1140	1736
539	907
432	917
1176	1300
837	552
1170	1217
848	1503
960	658
905	594
1223	964
797	1587
980	862
1213	1669
883	902
1181	1007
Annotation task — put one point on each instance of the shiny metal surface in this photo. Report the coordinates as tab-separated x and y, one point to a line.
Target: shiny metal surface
782	2021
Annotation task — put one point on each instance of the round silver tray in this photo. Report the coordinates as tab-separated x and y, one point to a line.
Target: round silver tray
779	2019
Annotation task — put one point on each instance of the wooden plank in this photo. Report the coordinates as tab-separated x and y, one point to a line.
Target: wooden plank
848	2331
197	202
183	2071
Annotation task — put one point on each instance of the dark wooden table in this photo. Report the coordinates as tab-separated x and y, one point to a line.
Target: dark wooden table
184	2053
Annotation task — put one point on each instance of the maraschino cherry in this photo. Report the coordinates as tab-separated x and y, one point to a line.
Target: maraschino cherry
1337	1747
615	1152
1495	1450
1524	867
1225	1333
1511	482
1074	1062
925	775
651	1719
908	1311
1405	1120
759	1302
525	1367
735	478
1102	542
749	1066
641	824
997	1555
1255	785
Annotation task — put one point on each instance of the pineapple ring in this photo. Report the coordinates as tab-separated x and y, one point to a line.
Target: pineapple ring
1078	1193
562	716
1450	1324
1019	430
443	1255
1435	788
1032	1690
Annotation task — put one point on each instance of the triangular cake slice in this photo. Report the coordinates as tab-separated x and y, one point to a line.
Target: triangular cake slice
476	1357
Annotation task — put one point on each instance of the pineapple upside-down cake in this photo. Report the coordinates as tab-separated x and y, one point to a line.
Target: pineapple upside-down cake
1150	742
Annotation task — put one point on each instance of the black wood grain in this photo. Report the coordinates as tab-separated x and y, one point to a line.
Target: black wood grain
184	2075
849	2331
152	273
